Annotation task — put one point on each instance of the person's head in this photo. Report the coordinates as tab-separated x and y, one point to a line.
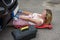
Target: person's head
48	11
48	17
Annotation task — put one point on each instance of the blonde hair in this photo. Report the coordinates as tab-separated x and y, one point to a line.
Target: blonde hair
48	17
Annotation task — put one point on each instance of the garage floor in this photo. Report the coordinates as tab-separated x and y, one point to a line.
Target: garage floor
38	6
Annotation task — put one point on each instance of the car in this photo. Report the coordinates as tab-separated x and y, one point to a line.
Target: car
6	9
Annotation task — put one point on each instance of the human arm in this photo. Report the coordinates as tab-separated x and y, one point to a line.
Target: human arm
26	12
36	21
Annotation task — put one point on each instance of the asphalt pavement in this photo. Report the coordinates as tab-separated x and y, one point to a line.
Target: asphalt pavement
39	6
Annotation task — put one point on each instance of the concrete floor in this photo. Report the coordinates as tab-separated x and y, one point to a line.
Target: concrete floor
38	6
